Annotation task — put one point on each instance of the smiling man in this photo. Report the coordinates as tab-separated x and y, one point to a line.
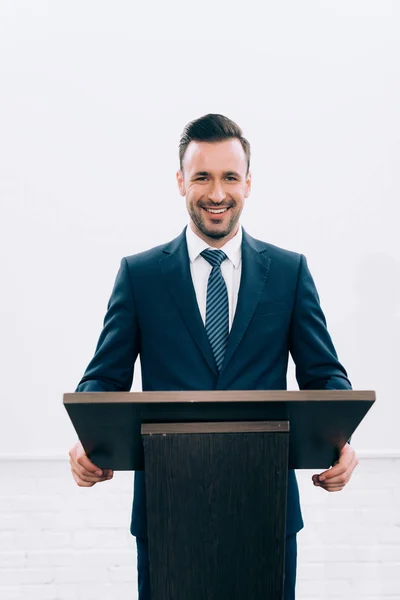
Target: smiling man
214	309
214	196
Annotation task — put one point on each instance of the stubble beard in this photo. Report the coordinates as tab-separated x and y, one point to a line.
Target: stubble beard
212	233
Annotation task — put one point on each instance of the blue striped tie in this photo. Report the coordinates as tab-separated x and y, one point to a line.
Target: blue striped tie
217	307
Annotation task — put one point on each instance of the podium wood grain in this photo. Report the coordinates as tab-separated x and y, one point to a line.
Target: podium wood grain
216	505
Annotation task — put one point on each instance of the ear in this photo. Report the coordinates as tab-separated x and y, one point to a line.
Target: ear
247	185
181	183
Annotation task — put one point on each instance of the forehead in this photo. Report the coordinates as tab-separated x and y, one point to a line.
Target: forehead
227	155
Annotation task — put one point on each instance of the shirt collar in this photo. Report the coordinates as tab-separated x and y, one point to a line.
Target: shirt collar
232	249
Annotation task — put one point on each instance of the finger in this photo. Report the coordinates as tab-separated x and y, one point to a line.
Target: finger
87	464
86	475
89	478
335	471
106	473
335	487
77	455
83	476
80	482
341	480
331	487
344	477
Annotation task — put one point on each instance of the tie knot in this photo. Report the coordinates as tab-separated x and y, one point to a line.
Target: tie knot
214	257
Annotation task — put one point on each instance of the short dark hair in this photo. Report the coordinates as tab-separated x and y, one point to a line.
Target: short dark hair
212	128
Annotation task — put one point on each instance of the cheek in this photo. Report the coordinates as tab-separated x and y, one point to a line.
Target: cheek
194	195
239	202
191	201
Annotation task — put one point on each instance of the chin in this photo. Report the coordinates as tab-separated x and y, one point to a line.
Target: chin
222	230
218	231
216	235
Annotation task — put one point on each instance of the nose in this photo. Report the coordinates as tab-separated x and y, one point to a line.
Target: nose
216	193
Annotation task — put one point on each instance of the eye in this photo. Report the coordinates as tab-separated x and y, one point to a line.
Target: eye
231	177
200	178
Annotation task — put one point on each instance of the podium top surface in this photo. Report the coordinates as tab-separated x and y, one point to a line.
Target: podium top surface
220	396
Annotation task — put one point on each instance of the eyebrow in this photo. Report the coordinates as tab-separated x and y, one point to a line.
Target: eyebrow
225	174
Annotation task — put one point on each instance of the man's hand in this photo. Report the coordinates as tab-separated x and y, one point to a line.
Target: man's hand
335	478
85	473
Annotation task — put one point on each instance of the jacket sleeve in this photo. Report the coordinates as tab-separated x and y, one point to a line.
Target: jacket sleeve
317	364
111	368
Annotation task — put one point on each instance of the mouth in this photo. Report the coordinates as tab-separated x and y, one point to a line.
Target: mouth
216	211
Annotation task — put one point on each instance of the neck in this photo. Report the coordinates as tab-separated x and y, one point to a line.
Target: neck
214	243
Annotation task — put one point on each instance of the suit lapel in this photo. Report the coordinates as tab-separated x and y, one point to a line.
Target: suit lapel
175	268
255	267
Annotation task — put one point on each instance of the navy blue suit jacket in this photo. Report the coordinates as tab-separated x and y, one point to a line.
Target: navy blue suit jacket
153	312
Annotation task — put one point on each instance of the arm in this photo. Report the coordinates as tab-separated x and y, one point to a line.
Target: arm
111	368
317	366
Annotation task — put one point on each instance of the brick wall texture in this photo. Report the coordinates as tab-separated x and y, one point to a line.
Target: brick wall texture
62	542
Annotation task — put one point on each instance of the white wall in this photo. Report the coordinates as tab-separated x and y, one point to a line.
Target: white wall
93	98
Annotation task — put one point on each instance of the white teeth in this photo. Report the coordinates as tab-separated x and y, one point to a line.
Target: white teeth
215	211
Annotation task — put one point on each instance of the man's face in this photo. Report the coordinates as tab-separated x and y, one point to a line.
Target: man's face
215	184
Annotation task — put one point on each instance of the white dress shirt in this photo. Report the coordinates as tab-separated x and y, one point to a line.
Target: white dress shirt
231	269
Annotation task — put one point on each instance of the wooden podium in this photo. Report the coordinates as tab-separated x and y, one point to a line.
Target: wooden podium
216	476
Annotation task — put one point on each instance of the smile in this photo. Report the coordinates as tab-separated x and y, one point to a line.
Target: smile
216	211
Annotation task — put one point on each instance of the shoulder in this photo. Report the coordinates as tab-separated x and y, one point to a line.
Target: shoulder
152	256
146	256
277	253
